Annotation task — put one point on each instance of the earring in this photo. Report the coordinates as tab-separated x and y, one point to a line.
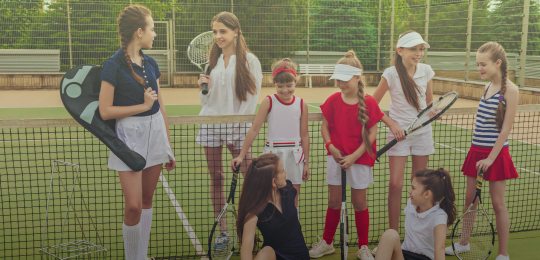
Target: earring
140	35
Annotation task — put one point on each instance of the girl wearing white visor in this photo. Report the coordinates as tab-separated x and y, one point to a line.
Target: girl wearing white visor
410	85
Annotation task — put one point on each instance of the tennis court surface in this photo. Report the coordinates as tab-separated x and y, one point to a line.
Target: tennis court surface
182	211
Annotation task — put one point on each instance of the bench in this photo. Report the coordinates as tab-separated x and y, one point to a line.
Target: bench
310	70
28	60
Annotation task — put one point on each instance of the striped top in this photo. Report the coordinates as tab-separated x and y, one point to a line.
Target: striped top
485	129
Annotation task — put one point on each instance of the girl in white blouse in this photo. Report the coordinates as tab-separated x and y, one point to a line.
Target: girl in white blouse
234	83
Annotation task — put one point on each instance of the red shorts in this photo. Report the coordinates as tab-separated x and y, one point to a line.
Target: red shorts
502	168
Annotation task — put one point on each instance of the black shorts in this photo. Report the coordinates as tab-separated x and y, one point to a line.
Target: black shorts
408	255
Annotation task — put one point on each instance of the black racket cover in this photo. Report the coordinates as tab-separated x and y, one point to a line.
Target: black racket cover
79	91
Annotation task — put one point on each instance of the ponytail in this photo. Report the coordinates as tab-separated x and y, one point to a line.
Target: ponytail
440	184
410	89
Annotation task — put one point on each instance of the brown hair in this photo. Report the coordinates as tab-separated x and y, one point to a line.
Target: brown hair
410	89
244	80
497	52
351	60
440	184
284	76
257	189
129	21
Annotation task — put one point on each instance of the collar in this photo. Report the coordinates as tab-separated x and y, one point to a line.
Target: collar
122	57
420	72
427	212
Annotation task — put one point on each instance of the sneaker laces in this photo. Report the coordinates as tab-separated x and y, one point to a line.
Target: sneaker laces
316	244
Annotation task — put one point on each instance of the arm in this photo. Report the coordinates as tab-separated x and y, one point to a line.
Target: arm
170	165
379	93
429	92
381	90
349	160
248	239
336	153
203	79
440	239
252	133
108	111
512	97
304	137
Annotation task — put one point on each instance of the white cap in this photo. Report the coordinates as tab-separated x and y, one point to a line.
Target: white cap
410	40
345	72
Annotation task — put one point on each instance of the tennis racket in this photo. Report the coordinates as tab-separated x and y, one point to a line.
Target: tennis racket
430	113
199	51
223	237
475	227
344	229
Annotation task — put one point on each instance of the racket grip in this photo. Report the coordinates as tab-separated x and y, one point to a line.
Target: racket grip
386	148
205	88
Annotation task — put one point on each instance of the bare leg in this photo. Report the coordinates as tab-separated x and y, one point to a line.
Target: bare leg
389	247
359	199
217	180
267	253
131	183
497	190
397	172
334	196
468	221
150	178
247	159
419	162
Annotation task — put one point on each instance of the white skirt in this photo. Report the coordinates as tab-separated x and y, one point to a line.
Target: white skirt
293	160
145	135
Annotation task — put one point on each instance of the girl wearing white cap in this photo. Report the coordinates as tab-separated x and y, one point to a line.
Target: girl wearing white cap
349	130
288	135
410	85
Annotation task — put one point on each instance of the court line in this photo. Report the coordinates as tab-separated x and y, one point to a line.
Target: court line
185	222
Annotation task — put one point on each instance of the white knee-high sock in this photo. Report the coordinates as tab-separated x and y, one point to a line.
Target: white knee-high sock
146	225
132	236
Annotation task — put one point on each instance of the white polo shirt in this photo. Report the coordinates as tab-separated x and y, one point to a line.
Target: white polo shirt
420	229
400	110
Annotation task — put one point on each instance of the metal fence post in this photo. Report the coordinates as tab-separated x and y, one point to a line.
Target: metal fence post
392	33
523	50
69	36
426	30
307	50
379	39
172	69
468	48
232	6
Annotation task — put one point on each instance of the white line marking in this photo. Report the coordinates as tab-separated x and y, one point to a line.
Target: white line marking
191	233
313	106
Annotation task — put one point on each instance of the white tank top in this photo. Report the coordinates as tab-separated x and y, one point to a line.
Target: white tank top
284	119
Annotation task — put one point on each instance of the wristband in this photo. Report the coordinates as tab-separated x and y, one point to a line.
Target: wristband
327	145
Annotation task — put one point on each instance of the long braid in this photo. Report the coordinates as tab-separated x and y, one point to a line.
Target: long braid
501	108
137	78
363	117
129	21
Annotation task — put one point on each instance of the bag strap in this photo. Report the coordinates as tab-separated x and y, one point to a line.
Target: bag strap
119	62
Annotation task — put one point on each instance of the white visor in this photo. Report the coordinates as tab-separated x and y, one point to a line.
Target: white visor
345	72
410	40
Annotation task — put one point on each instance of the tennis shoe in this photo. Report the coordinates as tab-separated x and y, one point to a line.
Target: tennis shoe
321	248
502	257
374	251
222	241
459	248
364	253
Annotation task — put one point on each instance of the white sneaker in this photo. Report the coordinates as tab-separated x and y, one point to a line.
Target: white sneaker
374	251
459	248
502	257
321	248
364	253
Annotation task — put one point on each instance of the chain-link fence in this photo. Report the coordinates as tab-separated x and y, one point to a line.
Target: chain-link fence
309	31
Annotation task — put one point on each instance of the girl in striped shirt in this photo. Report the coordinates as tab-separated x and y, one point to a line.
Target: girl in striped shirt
489	149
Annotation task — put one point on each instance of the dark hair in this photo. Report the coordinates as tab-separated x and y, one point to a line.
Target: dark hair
351	60
130	20
497	52
284	76
257	188
410	89
244	80
440	184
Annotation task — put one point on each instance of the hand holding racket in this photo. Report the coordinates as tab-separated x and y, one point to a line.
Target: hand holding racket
474	228
343	229
199	52
432	112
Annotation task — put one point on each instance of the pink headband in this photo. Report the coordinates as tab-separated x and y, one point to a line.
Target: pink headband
282	70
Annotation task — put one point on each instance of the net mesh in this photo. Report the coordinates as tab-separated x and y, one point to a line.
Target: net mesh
183	214
475	229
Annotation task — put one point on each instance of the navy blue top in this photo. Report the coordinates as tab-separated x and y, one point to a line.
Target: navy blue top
127	91
282	230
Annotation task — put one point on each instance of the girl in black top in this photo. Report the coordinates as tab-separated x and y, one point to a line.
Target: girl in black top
267	202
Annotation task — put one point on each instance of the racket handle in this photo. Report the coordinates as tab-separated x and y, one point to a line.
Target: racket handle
205	88
385	149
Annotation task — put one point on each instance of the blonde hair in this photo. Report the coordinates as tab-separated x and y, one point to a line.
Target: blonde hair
497	52
410	89
351	60
285	76
244	80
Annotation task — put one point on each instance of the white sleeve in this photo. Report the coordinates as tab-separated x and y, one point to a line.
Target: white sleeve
389	76
441	218
249	106
429	72
203	98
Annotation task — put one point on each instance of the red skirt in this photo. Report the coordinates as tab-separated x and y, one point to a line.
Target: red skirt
502	168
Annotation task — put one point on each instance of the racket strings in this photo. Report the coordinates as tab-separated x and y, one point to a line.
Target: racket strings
435	110
199	48
476	229
224	239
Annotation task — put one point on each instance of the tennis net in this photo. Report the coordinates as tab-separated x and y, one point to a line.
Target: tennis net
183	214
